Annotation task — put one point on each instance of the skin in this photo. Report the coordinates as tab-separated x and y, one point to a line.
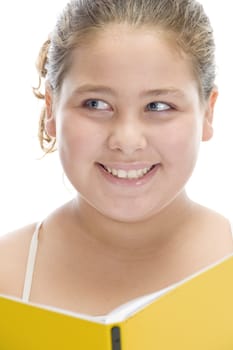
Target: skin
143	237
123	129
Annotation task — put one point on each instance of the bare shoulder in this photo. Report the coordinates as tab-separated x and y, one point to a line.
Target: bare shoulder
217	230
216	219
14	248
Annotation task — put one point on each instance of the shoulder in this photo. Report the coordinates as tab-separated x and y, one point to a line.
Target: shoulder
14	248
217	220
217	230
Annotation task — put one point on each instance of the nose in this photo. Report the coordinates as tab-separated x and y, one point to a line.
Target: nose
127	136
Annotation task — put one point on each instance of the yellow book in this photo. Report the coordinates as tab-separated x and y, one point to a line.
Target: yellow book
196	314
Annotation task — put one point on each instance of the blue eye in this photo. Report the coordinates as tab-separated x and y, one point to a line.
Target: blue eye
159	106
96	104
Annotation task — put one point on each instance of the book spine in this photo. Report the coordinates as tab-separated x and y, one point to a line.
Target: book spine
116	338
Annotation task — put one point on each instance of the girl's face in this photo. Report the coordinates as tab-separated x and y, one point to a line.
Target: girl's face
129	123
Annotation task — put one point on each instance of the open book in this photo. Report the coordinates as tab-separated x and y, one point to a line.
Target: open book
195	314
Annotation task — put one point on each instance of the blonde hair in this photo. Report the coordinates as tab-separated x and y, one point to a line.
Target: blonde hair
184	20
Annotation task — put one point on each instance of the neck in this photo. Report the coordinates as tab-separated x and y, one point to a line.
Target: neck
135	239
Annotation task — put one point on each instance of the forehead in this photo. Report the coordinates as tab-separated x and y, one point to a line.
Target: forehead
130	58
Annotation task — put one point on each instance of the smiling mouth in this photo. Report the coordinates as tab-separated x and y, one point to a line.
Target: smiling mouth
130	174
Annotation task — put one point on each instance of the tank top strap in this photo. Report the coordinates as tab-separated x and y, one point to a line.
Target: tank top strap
31	264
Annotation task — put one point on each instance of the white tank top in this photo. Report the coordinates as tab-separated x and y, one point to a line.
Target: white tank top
31	264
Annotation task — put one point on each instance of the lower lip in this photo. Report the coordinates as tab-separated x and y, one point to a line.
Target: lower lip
128	182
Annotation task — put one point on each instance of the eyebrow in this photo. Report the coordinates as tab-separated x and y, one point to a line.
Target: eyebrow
107	90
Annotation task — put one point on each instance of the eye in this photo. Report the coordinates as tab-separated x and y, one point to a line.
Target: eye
159	106
96	104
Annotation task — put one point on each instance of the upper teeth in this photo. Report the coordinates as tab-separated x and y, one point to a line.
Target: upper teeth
131	174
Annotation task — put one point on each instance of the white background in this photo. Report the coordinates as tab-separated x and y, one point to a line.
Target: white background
31	188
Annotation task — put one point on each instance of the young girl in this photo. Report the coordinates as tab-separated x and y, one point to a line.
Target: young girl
130	95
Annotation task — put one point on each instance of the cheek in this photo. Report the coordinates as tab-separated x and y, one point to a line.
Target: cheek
180	142
78	139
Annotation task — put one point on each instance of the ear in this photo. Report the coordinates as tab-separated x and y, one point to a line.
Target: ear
207	132
50	122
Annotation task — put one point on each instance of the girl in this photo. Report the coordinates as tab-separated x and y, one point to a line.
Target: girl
130	95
